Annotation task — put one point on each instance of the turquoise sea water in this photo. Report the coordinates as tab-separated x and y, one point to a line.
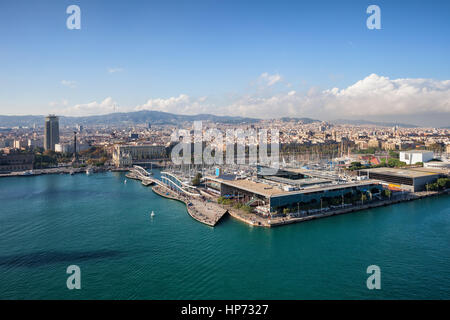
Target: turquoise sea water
103	225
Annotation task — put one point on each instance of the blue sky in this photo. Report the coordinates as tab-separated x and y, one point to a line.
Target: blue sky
212	55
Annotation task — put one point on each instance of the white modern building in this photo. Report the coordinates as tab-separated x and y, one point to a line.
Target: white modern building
437	165
415	156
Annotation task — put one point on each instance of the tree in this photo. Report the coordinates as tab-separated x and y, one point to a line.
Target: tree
432	186
363	197
394	154
49	153
197	179
443	183
393	163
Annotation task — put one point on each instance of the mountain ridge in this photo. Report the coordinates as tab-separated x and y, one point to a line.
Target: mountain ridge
160	117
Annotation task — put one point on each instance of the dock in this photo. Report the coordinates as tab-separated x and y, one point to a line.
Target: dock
199	208
256	220
203	211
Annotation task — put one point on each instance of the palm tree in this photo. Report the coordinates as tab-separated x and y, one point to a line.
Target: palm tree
363	198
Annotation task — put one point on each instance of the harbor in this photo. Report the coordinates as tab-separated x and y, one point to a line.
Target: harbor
262	203
259	195
120	239
198	206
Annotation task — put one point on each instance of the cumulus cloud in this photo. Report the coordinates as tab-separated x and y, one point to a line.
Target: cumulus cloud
183	104
374	97
69	83
377	95
92	108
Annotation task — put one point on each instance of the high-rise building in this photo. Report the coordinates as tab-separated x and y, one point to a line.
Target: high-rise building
51	132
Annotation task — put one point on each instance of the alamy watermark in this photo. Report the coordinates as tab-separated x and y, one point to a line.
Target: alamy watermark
249	146
74	20
374	20
74	280
374	280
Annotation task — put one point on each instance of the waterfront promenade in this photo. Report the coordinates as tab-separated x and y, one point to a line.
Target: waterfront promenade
199	207
255	220
202	210
59	170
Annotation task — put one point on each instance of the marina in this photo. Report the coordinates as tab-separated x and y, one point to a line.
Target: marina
105	227
206	207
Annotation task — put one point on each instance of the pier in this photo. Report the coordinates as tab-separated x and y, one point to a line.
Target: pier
204	211
203	207
198	207
139	173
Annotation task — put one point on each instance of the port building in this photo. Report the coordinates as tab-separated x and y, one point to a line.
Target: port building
275	197
409	179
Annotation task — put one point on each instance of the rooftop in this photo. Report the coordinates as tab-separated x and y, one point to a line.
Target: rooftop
270	191
260	188
417	151
407	173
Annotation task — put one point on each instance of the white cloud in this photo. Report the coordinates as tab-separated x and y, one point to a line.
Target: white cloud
371	97
91	108
377	95
114	70
270	79
69	83
183	104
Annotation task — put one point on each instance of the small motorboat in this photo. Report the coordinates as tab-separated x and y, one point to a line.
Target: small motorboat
125	181
152	214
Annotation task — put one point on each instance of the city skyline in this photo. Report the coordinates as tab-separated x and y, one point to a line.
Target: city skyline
240	59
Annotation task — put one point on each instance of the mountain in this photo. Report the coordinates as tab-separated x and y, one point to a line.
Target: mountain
375	123
159	117
302	120
123	118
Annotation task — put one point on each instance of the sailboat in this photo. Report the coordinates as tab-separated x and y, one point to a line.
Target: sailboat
152	214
